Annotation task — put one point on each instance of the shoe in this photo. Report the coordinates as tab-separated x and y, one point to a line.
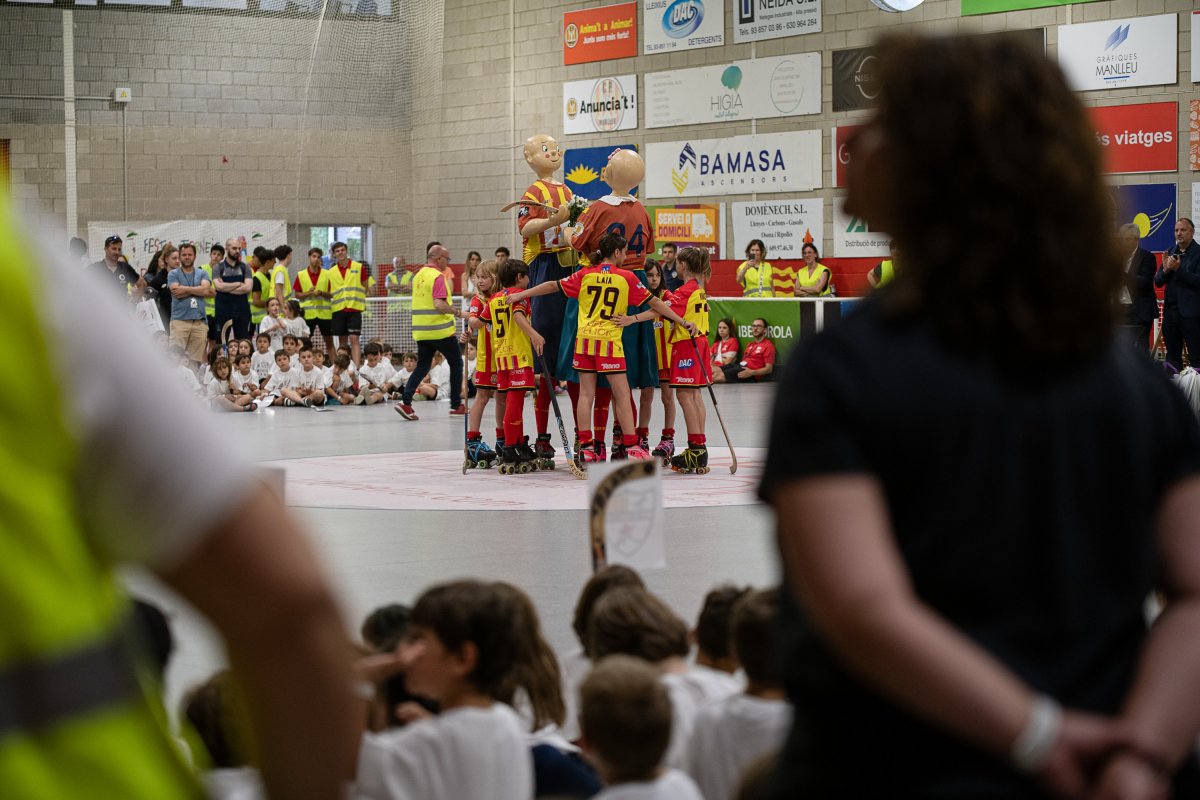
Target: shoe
637	453
598	449
461	411
254	405
405	410
665	449
288	402
307	404
359	399
266	401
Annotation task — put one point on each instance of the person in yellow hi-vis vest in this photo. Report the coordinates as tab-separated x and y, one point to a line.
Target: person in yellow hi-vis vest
79	716
215	256
885	271
345	284
755	274
317	312
434	330
281	282
262	261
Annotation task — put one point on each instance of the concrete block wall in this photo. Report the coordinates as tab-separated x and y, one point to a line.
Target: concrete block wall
481	169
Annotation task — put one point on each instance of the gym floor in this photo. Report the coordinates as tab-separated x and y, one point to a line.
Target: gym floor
377	553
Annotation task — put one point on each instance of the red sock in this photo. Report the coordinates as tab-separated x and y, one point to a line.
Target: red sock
629	440
643	433
696	439
474	435
499	434
541	405
668	433
514	413
585	438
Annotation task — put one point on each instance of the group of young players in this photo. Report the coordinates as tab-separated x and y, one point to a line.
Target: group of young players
606	299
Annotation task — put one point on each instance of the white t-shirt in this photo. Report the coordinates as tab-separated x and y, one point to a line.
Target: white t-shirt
379	374
439	376
189	379
217	388
461	754
283	380
262	365
275	327
296	327
671	785
309	379
402	376
242	383
344	383
691	691
730	734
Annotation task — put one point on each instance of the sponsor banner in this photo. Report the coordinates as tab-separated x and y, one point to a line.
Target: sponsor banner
755	20
782	318
600	34
697	225
672	25
841	137
1150	206
143	239
1119	52
853	238
601	105
970	7
773	162
783	225
1194	136
1137	138
583	167
784	86
855	79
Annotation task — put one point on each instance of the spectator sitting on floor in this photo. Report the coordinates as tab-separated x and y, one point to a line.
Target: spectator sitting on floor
758	362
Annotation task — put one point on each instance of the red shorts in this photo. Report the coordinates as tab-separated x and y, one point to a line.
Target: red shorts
583	362
485	380
514	379
688	367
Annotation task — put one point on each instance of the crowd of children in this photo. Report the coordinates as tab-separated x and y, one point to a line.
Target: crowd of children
463	698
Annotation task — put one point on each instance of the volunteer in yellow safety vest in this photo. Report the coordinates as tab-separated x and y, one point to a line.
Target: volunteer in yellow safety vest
434	331
77	719
755	273
317	312
262	261
346	284
281	283
885	271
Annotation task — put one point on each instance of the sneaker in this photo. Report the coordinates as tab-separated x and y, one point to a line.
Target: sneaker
405	410
461	411
288	402
266	401
306	403
359	399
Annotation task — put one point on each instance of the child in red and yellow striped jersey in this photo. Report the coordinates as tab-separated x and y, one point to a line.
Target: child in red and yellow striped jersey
487	284
662	347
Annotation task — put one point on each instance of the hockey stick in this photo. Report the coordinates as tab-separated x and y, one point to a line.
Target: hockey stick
466	417
533	203
562	430
716	408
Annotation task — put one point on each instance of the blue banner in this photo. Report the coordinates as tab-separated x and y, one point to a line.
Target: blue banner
1152	207
582	166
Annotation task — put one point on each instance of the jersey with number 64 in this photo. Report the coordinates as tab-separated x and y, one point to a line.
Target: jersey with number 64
603	292
621	215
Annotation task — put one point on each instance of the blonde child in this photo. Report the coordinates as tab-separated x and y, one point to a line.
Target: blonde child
605	292
462	651
487	285
689	356
273	325
221	395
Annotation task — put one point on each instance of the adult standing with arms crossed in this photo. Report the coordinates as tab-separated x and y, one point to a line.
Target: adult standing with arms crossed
189	288
232	280
77	721
967	615
1137	296
1180	277
435	331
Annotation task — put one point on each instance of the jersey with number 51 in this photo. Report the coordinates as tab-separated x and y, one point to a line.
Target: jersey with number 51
513	350
603	292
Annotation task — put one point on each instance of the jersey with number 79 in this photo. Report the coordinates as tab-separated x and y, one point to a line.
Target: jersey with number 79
603	292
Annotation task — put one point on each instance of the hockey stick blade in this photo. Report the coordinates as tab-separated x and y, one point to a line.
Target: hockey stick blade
562	430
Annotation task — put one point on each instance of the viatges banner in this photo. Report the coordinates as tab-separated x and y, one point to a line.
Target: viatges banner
853	238
670	25
772	162
855	79
755	20
1194	137
784	226
1138	138
600	34
143	239
583	166
841	136
688	225
1116	53
783	86
600	105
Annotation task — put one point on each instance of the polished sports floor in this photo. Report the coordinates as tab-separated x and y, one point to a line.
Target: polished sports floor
388	509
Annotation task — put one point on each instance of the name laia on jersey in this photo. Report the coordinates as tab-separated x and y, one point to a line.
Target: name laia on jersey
603	278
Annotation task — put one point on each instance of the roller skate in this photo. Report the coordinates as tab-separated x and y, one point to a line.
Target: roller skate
526	460
509	462
479	455
599	451
664	450
586	454
692	461
637	453
543	452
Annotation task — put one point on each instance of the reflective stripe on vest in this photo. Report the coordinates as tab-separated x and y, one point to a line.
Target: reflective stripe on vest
314	307
349	292
262	285
63	610
428	323
763	285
